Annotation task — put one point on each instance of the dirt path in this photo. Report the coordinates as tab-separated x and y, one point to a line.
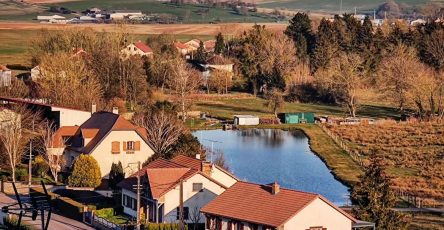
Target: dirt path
192	29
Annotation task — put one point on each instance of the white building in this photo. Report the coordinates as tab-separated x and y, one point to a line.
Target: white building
246	120
50	17
109	138
266	207
418	22
202	182
5	76
137	48
122	14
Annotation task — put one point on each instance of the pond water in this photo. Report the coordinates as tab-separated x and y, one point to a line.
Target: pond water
267	155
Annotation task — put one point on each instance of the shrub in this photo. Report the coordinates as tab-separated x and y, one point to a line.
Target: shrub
105	213
85	173
11	223
153	226
40	167
116	175
21	174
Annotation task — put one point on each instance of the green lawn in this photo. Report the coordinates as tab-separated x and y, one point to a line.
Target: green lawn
334	6
226	108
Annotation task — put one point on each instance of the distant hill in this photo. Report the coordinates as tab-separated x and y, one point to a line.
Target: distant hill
333	6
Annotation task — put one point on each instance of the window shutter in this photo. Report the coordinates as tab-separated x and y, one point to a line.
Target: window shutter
124	146
115	147
137	146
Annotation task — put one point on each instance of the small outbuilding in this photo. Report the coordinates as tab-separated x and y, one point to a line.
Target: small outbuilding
246	120
296	118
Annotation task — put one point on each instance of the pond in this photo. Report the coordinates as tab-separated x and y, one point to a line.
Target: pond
267	155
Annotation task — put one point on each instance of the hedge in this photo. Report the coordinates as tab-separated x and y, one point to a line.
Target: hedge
153	226
70	208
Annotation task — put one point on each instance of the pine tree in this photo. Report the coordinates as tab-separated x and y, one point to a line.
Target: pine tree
116	175
374	199
219	47
200	53
301	33
326	46
85	173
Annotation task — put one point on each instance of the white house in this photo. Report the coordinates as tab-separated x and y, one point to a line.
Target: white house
268	207
122	14
50	17
246	120
5	76
161	183
109	138
218	62
137	48
182	48
418	22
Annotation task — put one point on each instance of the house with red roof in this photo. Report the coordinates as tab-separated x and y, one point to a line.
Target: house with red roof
137	48
161	180
106	136
268	207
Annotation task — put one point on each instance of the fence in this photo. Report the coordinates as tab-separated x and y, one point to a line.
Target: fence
102	223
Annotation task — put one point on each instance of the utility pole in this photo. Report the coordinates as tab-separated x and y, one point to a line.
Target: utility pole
138	188
340	9
30	158
181	214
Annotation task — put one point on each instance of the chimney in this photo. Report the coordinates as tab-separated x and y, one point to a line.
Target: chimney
206	168
116	110
275	188
93	108
198	156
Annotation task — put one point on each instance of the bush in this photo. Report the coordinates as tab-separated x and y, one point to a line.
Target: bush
85	173
105	213
21	174
116	175
153	226
40	167
11	223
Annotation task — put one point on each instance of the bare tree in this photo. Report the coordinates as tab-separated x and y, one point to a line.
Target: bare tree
15	133
195	217
163	130
275	100
53	146
344	79
183	82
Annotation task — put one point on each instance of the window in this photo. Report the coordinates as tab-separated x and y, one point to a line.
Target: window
197	187
240	226
317	228
185	213
130	145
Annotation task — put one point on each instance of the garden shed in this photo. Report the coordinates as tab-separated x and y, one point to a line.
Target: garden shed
295	118
246	120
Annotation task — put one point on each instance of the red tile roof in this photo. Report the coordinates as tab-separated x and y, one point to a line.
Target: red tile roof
218	60
255	203
144	47
3	68
188	162
64	131
180	45
89	133
210	44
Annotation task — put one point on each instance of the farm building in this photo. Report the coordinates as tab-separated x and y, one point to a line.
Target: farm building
295	118
246	120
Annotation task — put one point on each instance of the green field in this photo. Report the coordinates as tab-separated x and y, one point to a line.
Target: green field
186	13
333	6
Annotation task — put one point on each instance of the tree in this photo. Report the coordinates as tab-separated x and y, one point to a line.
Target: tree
300	31
326	46
53	146
163	130
219	47
116	175
16	131
431	49
85	172
374	199
200	53
183	82
344	79
275	100
220	81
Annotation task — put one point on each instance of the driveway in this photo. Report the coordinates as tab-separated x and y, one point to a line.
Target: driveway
57	222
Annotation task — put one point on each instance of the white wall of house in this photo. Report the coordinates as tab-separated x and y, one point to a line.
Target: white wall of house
35	73
192	199
122	15
102	153
126	209
132	50
5	78
227	67
319	213
222	177
71	117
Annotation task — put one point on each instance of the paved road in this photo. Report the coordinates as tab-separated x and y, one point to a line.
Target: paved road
57	222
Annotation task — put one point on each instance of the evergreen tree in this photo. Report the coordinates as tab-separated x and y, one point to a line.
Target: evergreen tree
374	199
85	173
301	33
326	46
200	53
365	34
116	175
219	47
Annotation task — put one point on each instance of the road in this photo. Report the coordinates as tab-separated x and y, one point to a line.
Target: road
57	222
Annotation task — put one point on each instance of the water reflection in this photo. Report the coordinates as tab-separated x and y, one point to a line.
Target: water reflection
267	155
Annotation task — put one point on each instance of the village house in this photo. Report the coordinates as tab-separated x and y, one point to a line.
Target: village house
249	206
202	182
122	14
182	48
46	18
5	76
107	137
193	44
210	45
137	48
218	62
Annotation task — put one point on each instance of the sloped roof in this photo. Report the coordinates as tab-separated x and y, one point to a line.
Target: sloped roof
180	45
218	60
3	68
144	47
64	131
210	44
255	203
188	162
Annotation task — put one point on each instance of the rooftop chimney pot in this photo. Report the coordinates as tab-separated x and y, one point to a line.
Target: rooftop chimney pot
275	188
115	110
198	156
93	108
